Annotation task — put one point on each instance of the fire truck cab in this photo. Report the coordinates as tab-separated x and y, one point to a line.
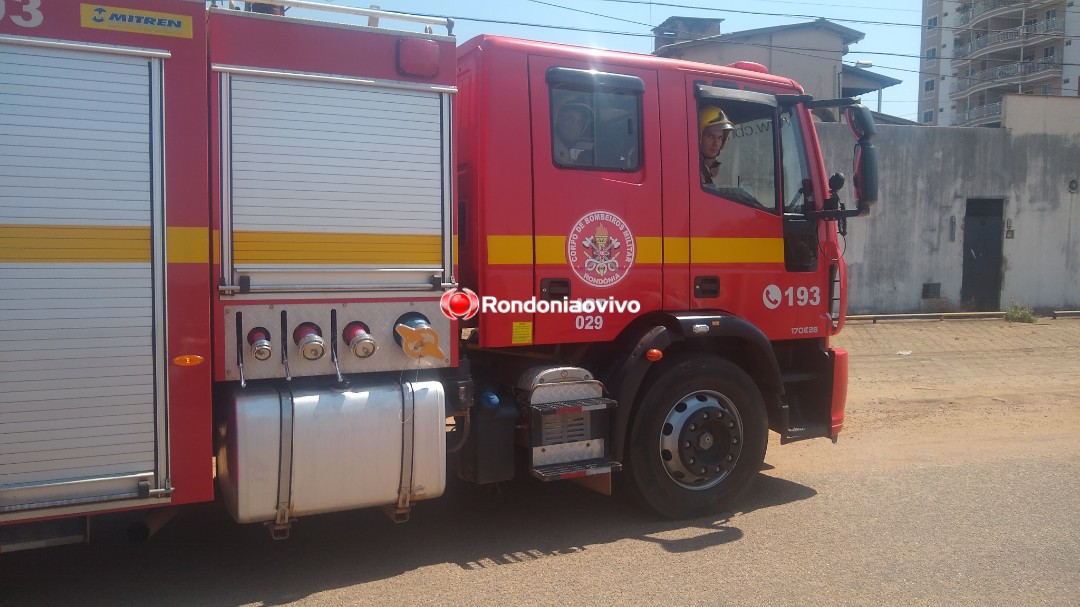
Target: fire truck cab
584	177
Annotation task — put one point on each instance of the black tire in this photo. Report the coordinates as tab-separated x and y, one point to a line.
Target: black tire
698	438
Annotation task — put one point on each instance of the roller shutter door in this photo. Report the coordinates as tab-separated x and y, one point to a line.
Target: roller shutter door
334	175
79	377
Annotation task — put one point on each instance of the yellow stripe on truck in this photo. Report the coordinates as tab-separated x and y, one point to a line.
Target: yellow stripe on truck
551	250
736	250
676	250
310	248
510	250
650	249
33	243
187	245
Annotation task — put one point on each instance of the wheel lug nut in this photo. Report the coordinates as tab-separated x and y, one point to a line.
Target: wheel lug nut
693	427
692	460
704	416
729	458
734	441
718	468
730	424
687	443
703	470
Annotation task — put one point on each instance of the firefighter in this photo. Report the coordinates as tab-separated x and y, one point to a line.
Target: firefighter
714	129
571	124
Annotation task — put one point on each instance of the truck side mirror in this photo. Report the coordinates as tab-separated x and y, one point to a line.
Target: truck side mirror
866	176
861	122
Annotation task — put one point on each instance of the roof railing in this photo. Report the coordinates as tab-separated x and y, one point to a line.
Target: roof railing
352	10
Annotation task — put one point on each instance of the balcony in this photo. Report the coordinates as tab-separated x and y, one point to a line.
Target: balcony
967	13
1006	36
1004	74
978	116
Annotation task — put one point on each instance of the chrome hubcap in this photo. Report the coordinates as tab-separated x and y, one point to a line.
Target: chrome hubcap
701	440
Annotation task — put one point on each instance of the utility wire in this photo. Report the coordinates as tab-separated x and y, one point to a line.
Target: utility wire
783	48
719	39
757	13
803	16
791	50
868	8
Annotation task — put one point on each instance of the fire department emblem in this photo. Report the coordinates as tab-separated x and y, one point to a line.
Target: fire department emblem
600	249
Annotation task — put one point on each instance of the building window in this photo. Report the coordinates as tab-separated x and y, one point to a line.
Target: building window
1048	52
931	23
1051	14
928	116
1048	89
931	54
928	86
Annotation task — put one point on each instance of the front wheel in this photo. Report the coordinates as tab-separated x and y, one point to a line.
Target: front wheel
698	437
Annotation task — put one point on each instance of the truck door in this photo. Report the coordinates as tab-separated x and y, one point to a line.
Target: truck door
596	197
745	158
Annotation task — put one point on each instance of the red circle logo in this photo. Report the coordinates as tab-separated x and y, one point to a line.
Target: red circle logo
459	304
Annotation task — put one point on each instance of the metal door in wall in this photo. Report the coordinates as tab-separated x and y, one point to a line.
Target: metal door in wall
983	230
82	384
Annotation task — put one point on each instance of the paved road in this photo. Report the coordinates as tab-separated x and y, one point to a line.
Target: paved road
957	481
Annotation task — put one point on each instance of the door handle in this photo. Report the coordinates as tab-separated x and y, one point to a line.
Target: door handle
554	288
706	286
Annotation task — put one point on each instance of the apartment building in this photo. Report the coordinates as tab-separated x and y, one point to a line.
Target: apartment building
974	53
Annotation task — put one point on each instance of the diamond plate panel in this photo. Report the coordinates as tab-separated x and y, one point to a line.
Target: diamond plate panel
556	472
548	374
569	406
568	452
567	390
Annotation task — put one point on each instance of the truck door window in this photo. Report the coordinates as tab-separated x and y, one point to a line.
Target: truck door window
595	120
737	151
797	189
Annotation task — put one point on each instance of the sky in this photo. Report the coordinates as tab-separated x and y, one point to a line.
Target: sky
892	30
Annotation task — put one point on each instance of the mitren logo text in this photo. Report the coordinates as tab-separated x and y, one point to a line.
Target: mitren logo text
464	304
135	21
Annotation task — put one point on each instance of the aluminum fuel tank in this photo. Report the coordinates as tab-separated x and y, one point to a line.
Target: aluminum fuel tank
289	450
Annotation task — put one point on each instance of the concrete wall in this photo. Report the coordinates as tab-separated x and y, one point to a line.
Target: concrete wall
1035	114
927	174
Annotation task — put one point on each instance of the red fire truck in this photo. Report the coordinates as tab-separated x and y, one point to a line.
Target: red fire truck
303	266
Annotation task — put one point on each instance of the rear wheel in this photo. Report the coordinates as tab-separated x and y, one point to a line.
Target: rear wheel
698	438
